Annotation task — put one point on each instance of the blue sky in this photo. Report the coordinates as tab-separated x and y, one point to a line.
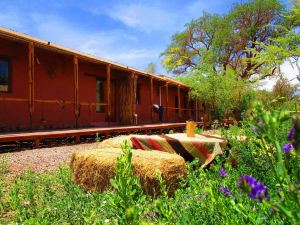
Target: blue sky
133	33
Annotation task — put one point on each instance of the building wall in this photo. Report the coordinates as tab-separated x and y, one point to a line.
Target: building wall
54	83
14	115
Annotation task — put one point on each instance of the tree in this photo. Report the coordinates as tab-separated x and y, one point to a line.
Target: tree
151	68
282	47
215	43
284	89
219	93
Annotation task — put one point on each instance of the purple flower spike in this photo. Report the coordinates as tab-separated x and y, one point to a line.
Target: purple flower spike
224	190
256	130
291	134
287	148
261	123
254	188
223	172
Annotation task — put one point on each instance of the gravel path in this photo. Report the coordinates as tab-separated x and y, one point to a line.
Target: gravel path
43	159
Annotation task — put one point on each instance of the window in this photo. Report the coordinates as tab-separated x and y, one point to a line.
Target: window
138	94
99	95
4	75
176	104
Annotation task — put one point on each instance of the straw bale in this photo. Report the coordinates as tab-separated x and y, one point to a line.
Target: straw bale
115	142
93	169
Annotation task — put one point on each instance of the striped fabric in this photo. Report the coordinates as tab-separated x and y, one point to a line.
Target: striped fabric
203	147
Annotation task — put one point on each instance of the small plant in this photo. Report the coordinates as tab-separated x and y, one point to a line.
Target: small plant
171	131
198	130
215	125
97	139
128	193
3	173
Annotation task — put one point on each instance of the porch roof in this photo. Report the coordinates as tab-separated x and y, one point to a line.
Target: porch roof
17	36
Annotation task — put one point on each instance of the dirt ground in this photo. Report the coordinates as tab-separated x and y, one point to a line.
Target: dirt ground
43	159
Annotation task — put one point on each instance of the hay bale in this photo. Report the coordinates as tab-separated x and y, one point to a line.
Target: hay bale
92	169
115	142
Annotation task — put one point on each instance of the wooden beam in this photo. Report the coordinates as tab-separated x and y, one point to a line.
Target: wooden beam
31	81
167	101
108	93
179	101
151	99
133	84
190	106
76	91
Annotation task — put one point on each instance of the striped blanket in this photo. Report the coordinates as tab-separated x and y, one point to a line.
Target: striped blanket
204	147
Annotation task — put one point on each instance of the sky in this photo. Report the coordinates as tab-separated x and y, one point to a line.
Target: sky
133	32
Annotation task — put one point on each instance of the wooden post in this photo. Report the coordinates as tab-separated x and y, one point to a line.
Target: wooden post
133	81
151	100
179	101
76	95
108	93
36	143
190	106
196	106
31	81
167	102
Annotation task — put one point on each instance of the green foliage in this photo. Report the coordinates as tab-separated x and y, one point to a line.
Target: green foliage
220	93
198	130
151	68
284	46
54	199
97	139
215	43
171	131
3	174
128	192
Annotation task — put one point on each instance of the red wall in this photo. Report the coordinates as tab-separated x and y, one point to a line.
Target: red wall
54	81
14	115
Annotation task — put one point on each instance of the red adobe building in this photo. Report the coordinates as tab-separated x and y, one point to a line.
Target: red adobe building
44	86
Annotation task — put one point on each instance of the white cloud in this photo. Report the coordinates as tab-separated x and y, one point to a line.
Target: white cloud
143	17
113	45
289	71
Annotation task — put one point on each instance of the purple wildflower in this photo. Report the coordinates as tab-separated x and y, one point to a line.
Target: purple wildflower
201	196
223	172
256	130
291	133
254	188
287	148
157	214
224	190
261	123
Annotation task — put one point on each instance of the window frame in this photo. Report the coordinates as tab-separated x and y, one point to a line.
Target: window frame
9	74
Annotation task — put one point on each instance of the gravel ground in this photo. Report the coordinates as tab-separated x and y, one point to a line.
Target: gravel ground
43	159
